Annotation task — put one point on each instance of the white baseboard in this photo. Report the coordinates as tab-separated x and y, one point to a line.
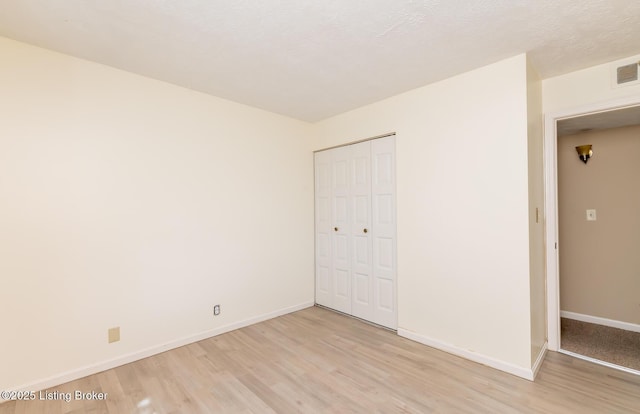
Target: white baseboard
540	359
74	374
601	321
472	356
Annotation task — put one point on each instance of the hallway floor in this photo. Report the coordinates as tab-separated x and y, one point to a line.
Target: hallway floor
613	345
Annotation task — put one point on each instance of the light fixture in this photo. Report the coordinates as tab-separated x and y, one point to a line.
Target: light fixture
585	152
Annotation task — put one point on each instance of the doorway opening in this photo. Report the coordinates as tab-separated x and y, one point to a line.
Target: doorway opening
580	260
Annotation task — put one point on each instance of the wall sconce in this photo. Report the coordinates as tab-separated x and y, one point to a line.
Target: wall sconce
585	152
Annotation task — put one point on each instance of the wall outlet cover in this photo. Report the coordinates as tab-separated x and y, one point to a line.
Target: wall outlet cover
114	334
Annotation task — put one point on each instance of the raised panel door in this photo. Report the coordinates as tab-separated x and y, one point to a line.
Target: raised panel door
384	231
341	175
323	221
361	262
356	230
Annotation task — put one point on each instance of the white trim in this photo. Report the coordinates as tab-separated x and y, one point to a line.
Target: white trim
600	362
388	134
551	232
627	326
157	349
539	360
551	204
470	355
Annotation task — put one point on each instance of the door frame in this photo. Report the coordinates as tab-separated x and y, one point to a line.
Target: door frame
551	204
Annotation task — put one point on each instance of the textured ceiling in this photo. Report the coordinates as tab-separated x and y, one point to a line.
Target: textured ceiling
312	59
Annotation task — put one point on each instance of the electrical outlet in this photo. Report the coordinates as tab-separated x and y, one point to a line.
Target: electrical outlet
216	310
114	334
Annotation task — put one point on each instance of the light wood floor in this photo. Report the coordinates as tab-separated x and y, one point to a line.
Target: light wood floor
317	361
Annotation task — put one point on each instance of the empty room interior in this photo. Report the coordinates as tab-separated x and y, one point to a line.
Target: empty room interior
298	206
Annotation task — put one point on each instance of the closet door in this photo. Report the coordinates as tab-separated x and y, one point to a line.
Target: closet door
341	235
355	230
362	303
324	228
383	229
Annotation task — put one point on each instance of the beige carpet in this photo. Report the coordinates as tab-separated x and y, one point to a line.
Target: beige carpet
613	345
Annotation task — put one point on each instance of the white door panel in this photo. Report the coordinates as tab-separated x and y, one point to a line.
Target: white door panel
383	161
341	169
384	231
385	314
384	254
341	211
342	296
383	205
341	252
361	293
361	212
323	184
323	209
385	294
361	251
323	282
340	228
361	161
362	304
323	245
355	230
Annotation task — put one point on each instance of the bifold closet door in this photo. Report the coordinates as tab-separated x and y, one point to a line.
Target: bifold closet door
333	198
383	229
362	304
355	230
341	176
323	228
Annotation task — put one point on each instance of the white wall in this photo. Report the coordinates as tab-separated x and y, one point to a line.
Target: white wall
129	202
462	197
537	280
584	87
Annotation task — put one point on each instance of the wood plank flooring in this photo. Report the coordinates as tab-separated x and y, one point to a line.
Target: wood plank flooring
318	361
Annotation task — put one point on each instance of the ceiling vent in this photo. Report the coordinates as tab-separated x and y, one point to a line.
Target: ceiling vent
625	73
